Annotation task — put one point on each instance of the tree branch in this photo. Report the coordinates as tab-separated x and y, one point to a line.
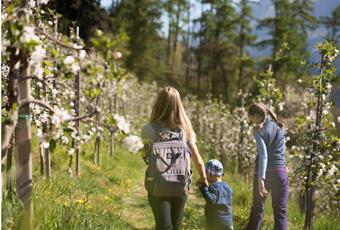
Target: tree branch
83	116
57	41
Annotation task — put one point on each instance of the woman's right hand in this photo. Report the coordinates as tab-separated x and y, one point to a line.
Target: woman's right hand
262	189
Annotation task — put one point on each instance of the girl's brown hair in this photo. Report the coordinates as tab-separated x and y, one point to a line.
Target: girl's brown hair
169	109
262	110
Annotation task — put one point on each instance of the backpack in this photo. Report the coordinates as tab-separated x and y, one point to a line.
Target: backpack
168	172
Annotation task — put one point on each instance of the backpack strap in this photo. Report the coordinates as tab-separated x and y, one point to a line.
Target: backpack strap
169	134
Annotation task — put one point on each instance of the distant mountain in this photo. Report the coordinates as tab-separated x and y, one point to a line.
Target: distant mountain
265	8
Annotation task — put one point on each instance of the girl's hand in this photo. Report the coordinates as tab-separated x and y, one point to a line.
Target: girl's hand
262	190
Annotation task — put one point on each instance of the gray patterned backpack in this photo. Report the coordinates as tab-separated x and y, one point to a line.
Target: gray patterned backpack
168	172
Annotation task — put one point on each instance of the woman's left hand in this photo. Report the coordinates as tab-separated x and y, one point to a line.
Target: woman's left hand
262	189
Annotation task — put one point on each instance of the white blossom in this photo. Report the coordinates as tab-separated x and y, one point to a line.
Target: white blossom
28	35
62	114
69	60
38	55
122	124
31	4
75	68
82	54
70	152
45	144
39	133
44	1
133	143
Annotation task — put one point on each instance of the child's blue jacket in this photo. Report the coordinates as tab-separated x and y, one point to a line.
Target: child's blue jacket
218	208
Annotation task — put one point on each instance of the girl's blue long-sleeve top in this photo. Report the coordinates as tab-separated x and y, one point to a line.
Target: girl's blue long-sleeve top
270	142
218	209
263	155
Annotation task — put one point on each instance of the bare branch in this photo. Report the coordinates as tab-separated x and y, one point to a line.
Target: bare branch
57	41
83	116
38	102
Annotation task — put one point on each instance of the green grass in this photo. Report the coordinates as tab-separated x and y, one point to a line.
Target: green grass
112	196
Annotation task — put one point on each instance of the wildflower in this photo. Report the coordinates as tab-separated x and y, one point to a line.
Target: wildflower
133	143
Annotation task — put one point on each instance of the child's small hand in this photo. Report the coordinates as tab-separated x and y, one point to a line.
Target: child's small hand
201	182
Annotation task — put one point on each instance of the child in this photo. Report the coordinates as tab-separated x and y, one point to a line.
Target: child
218	196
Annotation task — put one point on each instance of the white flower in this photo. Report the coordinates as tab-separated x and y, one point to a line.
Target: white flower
299	80
75	68
122	124
133	143
64	140
332	170
31	4
28	35
55	120
39	133
100	77
329	87
324	112
338	119
44	1
82	54
62	114
38	55
281	106
70	152
69	60
45	144
39	72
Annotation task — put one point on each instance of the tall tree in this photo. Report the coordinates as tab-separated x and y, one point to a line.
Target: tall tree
288	35
332	24
141	21
245	38
218	31
87	14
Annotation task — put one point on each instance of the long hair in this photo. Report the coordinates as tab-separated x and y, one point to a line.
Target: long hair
168	108
262	110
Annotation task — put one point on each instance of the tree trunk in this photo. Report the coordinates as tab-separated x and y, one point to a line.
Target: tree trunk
24	149
9	164
77	123
169	45
310	191
174	53
41	157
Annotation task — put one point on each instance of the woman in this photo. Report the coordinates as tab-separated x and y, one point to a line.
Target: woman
270	173
168	112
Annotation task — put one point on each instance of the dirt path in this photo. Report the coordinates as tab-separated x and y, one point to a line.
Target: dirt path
137	211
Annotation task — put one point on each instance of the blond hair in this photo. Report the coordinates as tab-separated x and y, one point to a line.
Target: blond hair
169	109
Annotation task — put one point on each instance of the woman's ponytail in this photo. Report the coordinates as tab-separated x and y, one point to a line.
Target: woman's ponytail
273	116
262	110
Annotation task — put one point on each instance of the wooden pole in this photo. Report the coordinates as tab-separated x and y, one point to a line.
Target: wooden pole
77	108
23	150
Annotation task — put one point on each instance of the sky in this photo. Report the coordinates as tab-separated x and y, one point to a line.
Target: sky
263	9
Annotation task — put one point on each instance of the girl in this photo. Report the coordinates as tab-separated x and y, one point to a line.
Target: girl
270	173
168	112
